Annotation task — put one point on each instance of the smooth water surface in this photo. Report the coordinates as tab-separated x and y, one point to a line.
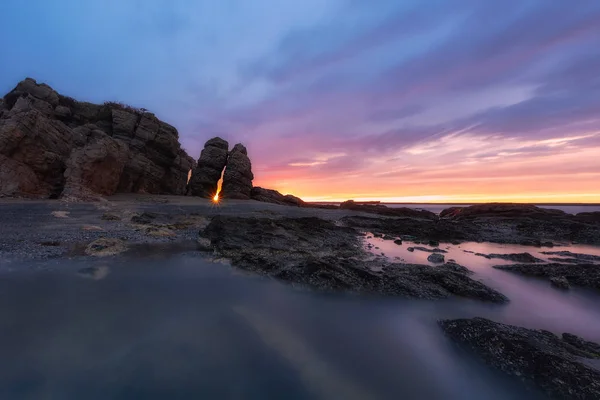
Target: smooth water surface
176	326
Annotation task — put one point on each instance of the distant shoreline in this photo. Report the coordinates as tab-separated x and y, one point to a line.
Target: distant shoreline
465	204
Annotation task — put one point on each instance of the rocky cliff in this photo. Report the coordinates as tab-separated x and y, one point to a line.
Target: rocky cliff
53	146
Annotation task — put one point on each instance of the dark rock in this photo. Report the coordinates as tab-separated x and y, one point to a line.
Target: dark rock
110	217
237	179
560	282
538	359
144	218
517	257
500	210
323	255
209	168
436	258
425	249
273	196
398	242
411	249
53	146
454	266
383	210
586	275
576	256
589	216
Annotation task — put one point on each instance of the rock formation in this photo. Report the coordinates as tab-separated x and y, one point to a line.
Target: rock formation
53	146
237	179
209	169
273	196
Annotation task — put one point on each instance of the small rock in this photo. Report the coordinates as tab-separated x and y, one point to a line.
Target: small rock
436	258
398	242
411	249
110	217
560	282
105	247
144	218
204	244
434	243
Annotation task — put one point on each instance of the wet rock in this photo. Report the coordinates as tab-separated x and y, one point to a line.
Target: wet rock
454	266
323	255
586	275
411	249
144	218
209	169
425	249
575	256
53	146
273	196
398	242
436	258
517	257
105	247
237	179
560	282
538	359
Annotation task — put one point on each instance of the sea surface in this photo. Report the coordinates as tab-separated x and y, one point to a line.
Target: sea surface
160	325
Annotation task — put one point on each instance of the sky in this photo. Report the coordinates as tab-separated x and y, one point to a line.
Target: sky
416	100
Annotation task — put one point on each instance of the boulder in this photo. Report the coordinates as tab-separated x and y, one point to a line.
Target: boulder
237	178
52	146
209	169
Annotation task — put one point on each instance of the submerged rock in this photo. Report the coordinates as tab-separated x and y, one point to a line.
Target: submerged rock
323	255
560	282
539	359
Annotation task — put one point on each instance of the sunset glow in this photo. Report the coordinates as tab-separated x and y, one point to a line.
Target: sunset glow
463	102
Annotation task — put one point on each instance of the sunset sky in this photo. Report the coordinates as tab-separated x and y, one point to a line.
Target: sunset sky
417	100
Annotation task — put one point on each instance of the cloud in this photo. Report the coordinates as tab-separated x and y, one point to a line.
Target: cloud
401	92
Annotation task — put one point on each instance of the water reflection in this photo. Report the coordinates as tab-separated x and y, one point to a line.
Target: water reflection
533	303
177	326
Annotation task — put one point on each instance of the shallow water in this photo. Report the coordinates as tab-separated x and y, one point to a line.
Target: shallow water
155	326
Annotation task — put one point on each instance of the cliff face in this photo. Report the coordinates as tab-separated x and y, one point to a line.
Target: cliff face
53	146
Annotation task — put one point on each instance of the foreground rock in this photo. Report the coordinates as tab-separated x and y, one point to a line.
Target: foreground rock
208	171
539	359
320	254
53	146
586	275
237	178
